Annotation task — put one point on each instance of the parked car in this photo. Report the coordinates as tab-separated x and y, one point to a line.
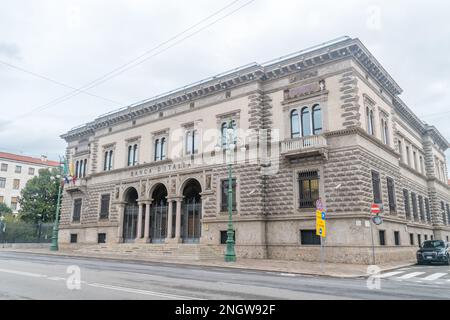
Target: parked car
434	251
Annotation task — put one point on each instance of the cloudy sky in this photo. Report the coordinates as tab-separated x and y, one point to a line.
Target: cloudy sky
48	48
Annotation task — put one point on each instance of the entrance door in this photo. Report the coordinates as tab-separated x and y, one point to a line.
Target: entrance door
158	215
158	223
191	211
130	222
130	216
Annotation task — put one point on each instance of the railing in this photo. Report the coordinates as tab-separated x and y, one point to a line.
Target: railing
303	143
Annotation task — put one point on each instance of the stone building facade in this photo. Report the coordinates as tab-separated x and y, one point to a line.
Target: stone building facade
325	122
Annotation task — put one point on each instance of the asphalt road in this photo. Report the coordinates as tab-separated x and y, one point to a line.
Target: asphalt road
31	276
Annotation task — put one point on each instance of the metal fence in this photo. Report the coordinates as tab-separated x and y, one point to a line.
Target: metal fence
21	232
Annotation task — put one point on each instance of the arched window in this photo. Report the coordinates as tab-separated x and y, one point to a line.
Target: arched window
110	160
76	168
306	122
135	148
84	167
130	154
105	163
223	132
163	148
317	119
157	150
369	115
295	124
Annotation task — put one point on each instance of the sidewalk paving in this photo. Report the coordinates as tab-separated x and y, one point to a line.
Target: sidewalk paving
268	265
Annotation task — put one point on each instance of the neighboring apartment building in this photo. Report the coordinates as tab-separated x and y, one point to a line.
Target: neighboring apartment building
336	129
15	171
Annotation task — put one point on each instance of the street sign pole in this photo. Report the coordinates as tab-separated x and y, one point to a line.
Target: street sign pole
373	243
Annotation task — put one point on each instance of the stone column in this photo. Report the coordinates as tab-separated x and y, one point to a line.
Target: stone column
121	210
139	222
177	238
169	219
147	222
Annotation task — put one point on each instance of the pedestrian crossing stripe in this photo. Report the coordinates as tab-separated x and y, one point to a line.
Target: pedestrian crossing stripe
411	275
435	276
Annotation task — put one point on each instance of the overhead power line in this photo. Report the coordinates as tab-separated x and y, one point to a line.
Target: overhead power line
142	58
54	81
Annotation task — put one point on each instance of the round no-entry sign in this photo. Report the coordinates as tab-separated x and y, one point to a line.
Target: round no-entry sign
375	209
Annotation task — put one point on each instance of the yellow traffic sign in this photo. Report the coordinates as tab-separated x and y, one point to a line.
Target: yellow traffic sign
321	226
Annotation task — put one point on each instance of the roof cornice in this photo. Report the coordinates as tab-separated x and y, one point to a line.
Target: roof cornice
335	50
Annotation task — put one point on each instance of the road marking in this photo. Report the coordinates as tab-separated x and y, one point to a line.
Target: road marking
55	278
411	275
287	274
435	276
389	274
23	273
145	292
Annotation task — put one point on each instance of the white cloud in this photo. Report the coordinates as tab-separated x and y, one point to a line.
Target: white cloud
78	41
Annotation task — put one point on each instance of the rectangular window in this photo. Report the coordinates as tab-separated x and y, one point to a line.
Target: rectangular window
101	238
400	150
4	167
385	131
31	171
427	209
76	210
415	160
411	239
73	238
14	201
432	238
382	235
397	238
444	220
408	156
224	237
309	238
2	182
421	209
419	239
308	189
104	206
448	213
376	186
407	205
16	184
425	237
414	206
18	169
224	198
391	195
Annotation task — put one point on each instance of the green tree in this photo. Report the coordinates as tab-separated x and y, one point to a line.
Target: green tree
38	198
4	209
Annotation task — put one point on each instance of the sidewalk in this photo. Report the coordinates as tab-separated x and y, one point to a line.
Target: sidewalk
275	266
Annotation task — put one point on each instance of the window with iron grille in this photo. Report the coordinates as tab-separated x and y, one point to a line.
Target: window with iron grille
309	238
419	239
448	213
376	186
101	238
382	235
407	205
308	189
427	209
76	210
391	195
397	238
104	206
414	206
73	238
421	208
224	198
411	239
444	220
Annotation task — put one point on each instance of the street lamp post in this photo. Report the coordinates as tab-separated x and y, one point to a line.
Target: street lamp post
230	254
54	245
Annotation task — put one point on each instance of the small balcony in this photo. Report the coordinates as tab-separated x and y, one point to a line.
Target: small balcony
80	185
305	147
